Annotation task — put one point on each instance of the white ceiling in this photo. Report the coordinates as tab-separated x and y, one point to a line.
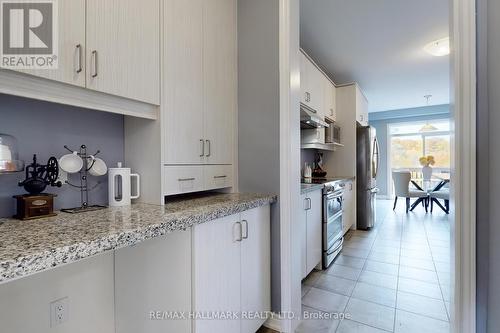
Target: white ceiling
379	44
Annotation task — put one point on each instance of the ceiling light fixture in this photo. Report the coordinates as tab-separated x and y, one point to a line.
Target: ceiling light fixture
438	48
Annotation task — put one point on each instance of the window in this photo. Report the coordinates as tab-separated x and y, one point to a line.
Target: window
410	141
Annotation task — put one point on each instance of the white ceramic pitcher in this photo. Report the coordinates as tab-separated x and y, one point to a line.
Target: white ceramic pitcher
120	186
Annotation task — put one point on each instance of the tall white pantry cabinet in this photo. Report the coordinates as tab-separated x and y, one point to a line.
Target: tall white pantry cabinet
193	146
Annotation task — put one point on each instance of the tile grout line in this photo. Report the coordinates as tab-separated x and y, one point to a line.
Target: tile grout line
437	275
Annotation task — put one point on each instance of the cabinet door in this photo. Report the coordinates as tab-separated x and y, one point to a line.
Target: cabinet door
314	230
361	107
182	99
303	231
217	278
71	64
305	86
349	207
123	48
154	275
220	78
329	100
255	266
311	85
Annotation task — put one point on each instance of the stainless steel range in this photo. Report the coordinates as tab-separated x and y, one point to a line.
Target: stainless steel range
333	237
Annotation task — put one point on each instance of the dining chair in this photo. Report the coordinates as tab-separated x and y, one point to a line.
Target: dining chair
402	189
442	194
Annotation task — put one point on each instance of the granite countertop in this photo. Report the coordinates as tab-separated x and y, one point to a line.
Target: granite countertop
31	246
307	188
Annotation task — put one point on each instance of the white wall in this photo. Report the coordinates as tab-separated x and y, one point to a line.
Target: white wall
88	284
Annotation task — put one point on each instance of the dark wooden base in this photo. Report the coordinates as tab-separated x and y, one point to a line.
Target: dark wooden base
31	207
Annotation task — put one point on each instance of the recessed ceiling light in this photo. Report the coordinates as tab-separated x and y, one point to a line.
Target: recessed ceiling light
438	48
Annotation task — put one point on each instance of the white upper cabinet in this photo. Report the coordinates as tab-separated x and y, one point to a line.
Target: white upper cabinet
182	100
71	48
311	85
317	90
200	81
330	95
361	107
123	50
220	78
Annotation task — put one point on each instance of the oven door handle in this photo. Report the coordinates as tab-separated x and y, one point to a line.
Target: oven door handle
337	247
335	195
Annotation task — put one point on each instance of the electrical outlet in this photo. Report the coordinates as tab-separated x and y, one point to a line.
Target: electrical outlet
59	311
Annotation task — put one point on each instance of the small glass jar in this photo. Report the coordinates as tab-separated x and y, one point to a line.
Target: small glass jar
9	155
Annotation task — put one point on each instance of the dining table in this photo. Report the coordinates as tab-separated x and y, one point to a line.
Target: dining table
436	183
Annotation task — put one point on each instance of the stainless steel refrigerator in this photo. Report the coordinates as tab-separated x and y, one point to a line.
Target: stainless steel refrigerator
367	165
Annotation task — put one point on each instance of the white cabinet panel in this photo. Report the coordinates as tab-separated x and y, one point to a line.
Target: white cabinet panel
123	49
182	101
218	176
71	62
255	266
349	206
303	231
200	75
314	230
330	93
183	179
311	85
361	107
220	78
217	279
154	275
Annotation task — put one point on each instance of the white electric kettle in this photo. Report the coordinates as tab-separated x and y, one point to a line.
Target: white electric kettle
120	186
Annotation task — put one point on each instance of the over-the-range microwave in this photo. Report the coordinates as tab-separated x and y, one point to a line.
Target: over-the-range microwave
332	134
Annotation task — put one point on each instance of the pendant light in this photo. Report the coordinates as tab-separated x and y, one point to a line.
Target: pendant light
428	127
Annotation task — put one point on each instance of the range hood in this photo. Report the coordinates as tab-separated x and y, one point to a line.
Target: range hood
310	119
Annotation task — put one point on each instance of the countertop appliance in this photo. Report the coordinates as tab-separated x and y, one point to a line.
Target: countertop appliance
333	237
367	164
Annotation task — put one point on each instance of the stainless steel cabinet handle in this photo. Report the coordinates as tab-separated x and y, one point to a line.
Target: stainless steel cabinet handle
94	61
245	222
202	147
185	179
217	177
209	148
240	238
79	64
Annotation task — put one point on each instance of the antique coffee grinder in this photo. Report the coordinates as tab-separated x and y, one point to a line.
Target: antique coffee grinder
37	204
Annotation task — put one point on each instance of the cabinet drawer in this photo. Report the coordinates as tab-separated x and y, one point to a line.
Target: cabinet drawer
218	176
183	179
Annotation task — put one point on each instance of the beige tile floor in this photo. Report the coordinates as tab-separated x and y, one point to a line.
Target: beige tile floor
394	278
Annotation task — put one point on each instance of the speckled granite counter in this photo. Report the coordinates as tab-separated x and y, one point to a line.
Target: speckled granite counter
306	188
27	247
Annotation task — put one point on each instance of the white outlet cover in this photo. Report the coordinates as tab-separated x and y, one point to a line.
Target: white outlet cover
59	311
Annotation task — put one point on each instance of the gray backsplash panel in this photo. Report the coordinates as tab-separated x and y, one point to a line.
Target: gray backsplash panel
44	128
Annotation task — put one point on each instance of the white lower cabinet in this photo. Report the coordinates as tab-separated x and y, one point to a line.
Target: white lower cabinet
217	268
349	206
232	270
255	266
312	228
153	276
